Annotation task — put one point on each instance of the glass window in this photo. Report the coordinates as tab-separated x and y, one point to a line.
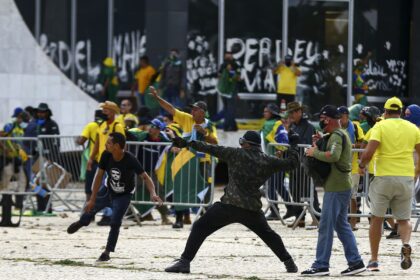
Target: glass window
27	10
55	33
253	32
129	41
202	52
381	41
91	43
320	51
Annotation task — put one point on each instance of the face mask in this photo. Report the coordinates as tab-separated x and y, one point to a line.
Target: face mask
23	125
40	122
322	124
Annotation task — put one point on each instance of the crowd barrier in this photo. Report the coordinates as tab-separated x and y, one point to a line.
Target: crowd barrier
295	188
54	166
17	180
183	178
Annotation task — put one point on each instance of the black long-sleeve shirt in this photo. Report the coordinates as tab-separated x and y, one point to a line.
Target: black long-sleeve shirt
248	170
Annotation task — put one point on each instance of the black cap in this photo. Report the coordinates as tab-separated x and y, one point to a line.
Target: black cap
330	111
252	137
273	108
200	104
343	110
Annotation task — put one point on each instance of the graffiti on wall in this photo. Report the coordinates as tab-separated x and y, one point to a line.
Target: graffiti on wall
127	50
321	68
201	65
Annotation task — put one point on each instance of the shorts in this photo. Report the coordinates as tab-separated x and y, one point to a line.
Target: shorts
395	192
355	182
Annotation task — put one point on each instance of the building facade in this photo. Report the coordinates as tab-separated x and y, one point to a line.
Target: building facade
328	39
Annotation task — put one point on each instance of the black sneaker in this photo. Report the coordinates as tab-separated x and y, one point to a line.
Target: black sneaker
288	215
354	269
105	221
180	266
178	225
74	227
291	266
406	256
103	258
316	272
393	235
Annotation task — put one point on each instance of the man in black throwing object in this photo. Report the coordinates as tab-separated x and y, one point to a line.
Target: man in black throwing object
248	169
121	168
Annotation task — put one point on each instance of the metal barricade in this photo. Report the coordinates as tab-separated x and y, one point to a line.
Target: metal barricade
182	178
64	167
17	156
292	189
299	190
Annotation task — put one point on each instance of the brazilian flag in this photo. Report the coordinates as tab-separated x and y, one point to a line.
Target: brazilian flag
187	178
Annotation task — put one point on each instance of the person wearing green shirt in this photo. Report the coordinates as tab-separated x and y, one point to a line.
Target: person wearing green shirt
108	78
336	198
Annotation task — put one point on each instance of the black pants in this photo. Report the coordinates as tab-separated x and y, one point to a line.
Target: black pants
220	215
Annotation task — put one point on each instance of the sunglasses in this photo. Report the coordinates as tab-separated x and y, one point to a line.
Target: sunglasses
242	141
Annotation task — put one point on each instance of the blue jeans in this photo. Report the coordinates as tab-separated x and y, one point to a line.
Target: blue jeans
119	205
334	217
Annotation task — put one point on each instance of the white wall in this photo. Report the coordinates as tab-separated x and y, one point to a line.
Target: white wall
28	77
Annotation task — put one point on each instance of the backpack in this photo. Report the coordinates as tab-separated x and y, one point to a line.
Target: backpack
319	170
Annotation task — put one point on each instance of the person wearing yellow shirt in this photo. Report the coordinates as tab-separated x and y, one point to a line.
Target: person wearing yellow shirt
143	79
356	136
110	125
287	72
195	126
89	135
393	140
126	110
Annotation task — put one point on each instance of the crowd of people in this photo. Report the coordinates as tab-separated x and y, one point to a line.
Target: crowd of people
388	139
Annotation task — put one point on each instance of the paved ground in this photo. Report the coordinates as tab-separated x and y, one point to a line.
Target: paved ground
41	249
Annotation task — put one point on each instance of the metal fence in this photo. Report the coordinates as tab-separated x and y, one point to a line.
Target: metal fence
55	168
183	178
18	181
296	188
64	168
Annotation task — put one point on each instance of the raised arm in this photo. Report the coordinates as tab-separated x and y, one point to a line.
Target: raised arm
287	164
224	153
163	103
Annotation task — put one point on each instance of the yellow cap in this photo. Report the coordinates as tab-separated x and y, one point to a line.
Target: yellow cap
109	62
393	103
131	117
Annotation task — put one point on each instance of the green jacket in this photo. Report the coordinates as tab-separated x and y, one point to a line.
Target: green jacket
340	158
